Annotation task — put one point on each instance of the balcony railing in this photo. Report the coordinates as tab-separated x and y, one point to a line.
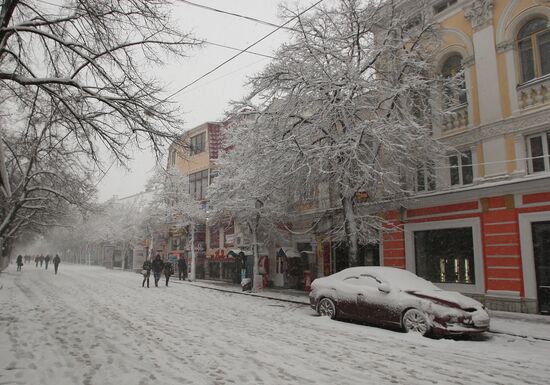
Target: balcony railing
534	93
455	117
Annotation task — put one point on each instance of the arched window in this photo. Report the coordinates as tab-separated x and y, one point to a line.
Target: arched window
534	49
455	94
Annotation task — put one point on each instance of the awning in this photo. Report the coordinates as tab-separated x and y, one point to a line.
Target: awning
289	252
235	252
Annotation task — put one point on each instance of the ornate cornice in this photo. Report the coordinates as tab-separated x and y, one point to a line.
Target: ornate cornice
479	13
515	125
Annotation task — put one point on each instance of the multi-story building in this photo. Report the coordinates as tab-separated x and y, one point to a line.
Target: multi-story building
480	224
194	156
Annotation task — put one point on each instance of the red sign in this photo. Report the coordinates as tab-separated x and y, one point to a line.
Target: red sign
215	140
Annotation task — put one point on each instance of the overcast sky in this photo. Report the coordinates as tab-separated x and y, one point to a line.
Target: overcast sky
208	99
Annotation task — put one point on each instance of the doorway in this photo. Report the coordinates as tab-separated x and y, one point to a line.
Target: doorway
541	253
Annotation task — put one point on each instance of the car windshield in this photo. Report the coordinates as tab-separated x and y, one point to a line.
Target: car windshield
405	280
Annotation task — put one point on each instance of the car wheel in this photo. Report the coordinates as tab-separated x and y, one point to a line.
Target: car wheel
327	308
416	321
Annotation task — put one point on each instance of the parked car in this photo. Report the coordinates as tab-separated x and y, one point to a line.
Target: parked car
395	297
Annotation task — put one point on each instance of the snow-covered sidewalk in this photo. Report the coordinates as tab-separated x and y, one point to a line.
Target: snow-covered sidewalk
96	326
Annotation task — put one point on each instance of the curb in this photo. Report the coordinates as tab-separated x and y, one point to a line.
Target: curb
244	293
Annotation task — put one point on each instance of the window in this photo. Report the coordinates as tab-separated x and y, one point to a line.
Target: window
425	177
172	158
445	256
538	148
534	49
462	171
442	5
198	183
452	69
197	144
364	281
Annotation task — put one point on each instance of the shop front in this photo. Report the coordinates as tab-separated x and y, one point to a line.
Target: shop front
290	265
222	266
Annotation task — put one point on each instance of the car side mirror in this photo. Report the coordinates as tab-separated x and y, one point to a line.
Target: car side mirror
384	288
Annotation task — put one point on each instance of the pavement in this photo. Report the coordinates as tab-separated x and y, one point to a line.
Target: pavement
530	326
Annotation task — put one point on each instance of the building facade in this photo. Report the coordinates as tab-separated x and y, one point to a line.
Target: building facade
479	222
194	155
483	226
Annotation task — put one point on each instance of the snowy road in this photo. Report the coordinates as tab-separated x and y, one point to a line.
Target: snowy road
95	326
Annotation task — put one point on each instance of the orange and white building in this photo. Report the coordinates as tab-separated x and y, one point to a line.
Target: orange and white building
483	226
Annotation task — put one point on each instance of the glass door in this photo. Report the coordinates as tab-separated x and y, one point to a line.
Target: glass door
541	248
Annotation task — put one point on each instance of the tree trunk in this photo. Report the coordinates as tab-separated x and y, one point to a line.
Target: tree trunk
193	257
255	271
4	179
350	226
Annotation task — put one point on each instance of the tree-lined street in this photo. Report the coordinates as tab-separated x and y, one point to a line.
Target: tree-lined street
94	326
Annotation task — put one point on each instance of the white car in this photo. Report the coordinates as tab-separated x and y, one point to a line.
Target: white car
396	297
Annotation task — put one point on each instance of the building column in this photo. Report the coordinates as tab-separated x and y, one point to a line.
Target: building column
480	15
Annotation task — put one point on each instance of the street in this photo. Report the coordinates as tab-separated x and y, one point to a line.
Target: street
89	325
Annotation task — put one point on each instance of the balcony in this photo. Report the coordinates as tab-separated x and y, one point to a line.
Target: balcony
455	118
534	93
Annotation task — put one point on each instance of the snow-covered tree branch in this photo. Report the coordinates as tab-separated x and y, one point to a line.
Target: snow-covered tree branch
345	105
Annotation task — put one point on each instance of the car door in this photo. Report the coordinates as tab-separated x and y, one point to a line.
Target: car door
347	291
370	304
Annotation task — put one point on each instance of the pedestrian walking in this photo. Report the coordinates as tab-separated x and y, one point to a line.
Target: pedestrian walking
19	262
168	270
182	268
36	259
41	258
56	261
146	271
157	266
47	260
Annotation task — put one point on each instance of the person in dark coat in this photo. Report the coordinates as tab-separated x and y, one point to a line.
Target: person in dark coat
47	260
168	270
19	262
36	259
41	259
146	271
56	261
157	266
182	268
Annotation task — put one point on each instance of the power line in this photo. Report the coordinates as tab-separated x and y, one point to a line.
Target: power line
250	18
235	49
244	50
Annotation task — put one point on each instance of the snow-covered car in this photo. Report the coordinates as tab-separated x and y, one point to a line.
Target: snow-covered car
395	297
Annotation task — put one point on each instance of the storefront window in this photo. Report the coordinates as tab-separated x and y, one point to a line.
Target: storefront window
445	256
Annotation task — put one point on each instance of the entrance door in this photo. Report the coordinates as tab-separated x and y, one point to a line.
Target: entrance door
541	248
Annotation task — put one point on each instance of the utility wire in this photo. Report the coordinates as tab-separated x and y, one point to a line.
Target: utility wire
232	14
235	49
244	50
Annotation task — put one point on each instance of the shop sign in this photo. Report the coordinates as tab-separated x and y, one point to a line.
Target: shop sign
229	239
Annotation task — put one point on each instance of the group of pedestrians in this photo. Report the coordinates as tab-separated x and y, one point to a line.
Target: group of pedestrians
39	259
158	267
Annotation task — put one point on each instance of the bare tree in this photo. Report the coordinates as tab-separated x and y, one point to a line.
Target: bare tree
76	71
347	102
